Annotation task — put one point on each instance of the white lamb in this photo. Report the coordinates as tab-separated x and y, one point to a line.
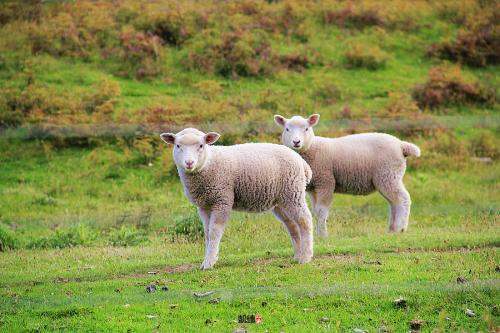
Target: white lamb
252	177
355	164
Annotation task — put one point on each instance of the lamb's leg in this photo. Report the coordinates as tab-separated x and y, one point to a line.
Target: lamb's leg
321	200
205	218
400	202
218	219
293	230
302	216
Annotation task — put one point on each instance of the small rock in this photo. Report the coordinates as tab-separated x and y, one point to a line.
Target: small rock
383	329
416	324
150	316
324	320
359	330
485	160
240	330
197	294
151	288
153	272
164	288
470	313
400	303
461	279
214	300
127	305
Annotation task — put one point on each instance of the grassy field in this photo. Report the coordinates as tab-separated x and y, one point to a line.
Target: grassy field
89	220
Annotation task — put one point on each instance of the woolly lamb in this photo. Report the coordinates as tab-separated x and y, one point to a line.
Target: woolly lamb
355	164
253	177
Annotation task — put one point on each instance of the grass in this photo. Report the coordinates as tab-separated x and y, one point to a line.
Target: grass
84	229
357	273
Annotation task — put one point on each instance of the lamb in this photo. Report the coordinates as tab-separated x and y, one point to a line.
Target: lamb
356	164
252	177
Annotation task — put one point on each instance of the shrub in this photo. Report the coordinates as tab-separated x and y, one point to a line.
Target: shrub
79	235
173	24
8	240
477	44
486	144
447	86
352	17
232	53
188	226
78	30
360	56
140	54
11	10
127	235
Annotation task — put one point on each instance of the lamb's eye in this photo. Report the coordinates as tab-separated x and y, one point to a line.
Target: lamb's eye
178	146
287	129
201	146
307	129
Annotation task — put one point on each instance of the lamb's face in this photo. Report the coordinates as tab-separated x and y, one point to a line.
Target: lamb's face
190	148
297	131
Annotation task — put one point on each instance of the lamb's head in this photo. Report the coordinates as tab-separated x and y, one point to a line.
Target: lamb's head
190	148
297	131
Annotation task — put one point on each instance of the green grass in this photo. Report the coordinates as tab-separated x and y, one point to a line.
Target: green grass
357	273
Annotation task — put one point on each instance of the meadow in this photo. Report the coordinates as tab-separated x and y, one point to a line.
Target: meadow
97	235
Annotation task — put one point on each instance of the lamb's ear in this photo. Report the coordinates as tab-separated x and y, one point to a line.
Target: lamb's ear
211	137
168	137
313	119
280	120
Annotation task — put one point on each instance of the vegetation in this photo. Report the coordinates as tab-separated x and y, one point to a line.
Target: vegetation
92	211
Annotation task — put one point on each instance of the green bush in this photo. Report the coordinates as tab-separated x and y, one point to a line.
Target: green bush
359	55
8	240
78	235
127	235
232	53
188	226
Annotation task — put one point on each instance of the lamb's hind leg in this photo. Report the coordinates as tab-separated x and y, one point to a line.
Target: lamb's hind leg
302	217
400	202
293	230
321	201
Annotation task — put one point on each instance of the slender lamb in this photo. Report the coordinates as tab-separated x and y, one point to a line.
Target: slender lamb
356	164
253	177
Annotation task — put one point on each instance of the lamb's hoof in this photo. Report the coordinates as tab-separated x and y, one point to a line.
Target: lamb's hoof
304	259
208	263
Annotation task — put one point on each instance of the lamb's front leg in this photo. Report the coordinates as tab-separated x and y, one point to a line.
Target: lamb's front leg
205	218
321	200
218	220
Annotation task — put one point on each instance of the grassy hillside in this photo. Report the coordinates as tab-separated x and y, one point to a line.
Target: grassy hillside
92	210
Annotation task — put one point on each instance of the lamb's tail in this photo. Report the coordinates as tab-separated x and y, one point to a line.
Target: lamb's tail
409	149
307	172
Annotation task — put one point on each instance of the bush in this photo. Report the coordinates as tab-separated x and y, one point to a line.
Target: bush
352	17
127	236
79	235
360	56
232	53
486	144
8	240
446	86
188	226
140	54
477	44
